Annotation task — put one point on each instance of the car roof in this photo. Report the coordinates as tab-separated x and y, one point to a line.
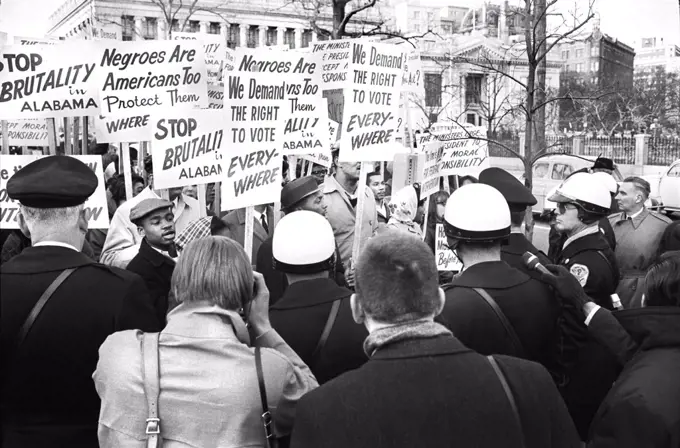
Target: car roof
567	158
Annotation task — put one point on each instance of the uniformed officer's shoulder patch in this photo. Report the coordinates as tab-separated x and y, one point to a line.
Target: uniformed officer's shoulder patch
661	217
581	273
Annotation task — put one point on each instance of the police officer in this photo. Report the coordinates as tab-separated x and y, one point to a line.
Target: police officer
492	307
582	201
58	306
314	316
518	198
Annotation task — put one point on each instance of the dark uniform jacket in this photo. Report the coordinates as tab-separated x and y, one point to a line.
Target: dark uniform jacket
156	271
528	305
515	247
47	396
276	280
556	240
300	316
433	392
591	260
643	407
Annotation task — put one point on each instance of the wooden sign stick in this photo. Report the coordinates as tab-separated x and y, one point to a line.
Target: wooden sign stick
68	144
359	213
203	209
248	238
127	171
5	137
86	136
76	135
52	136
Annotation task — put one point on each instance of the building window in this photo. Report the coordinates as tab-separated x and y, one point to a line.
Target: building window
214	28
233	36
416	28
306	38
175	25
580	67
579	53
322	37
594	50
270	36
150	28
416	15
289	38
430	17
128	23
194	26
471	118
251	36
594	66
473	89
433	89
565	54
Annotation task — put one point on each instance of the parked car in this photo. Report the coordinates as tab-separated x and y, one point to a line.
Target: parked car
550	171
666	188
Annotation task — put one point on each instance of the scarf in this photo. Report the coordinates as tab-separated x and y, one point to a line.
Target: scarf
409	330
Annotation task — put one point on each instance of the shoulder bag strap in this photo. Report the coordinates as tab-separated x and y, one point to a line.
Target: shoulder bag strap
152	388
266	415
514	339
37	308
511	397
332	316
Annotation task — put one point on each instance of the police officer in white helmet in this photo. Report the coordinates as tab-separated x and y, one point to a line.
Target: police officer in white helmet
492	307
582	201
314	316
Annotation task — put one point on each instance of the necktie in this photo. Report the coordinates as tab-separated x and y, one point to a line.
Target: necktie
353	201
263	220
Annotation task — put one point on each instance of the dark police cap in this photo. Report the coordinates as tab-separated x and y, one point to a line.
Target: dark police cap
148	206
52	182
603	163
516	194
296	190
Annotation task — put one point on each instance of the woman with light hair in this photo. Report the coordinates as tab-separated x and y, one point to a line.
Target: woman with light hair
209	387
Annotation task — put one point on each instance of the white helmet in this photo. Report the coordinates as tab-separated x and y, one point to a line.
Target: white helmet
477	212
608	181
586	191
303	243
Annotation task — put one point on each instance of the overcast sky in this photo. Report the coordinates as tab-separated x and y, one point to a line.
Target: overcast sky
627	20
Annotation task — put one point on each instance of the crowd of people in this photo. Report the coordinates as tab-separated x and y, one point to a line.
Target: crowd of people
163	331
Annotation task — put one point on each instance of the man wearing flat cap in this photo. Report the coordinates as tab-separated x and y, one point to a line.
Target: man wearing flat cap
299	194
518	198
157	255
58	306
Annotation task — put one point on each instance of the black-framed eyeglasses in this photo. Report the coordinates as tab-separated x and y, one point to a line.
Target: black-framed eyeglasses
562	207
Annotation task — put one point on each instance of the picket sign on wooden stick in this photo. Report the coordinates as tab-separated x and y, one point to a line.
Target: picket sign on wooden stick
5	137
127	169
310	166
86	136
68	144
248	238
76	135
359	213
427	214
218	199
24	150
52	136
292	167
140	161
202	208
277	214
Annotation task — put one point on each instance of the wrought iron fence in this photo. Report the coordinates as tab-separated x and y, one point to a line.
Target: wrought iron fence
559	145
496	150
663	151
620	150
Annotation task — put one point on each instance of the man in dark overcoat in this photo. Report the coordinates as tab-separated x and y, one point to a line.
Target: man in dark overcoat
47	396
422	387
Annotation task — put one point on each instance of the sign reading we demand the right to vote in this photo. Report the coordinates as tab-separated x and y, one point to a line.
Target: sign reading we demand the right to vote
371	107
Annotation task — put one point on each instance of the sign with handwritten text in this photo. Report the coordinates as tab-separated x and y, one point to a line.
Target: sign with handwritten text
447	260
463	153
27	132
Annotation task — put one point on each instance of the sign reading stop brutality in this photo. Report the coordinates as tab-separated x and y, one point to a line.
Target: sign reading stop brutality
463	153
447	260
255	105
335	58
186	147
371	103
95	207
122	128
27	132
214	47
141	76
43	81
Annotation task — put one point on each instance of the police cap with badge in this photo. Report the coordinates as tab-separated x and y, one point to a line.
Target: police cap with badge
303	243
52	182
517	195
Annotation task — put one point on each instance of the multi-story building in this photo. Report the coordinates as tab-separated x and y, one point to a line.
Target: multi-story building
652	53
251	23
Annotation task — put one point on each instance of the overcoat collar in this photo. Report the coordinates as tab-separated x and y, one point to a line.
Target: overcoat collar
492	275
310	293
45	259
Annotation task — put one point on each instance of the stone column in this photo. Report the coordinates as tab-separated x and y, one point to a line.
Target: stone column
280	32
138	28
162	30
577	146
641	152
243	35
315	37
262	35
203	27
224	32
298	38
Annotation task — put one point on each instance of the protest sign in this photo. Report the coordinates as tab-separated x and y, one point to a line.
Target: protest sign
186	147
34	41
141	76
255	105
215	53
215	96
47	81
447	260
462	154
95	207
372	103
110	31
27	132
335	58
3	38
325	158
122	128
430	184
412	80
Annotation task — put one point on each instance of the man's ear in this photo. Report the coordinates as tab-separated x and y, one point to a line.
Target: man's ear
442	302
357	312
23	226
140	230
83	223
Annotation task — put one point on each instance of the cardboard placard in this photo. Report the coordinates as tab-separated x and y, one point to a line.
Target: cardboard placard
215	52
95	207
462	153
27	132
122	128
215	96
447	260
335	58
413	80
